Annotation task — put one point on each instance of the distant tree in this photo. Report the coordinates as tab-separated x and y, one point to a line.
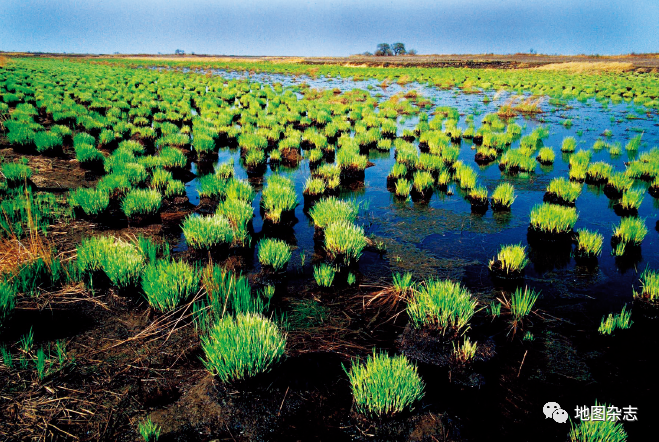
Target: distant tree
383	49
368	54
411	52
179	52
398	48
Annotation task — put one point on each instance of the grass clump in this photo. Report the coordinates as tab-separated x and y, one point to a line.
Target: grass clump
511	259
630	231
441	304
278	197
619	182
597	431
167	283
274	254
149	431
503	197
562	191
403	188
16	173
569	145
332	209
649	286
599	172
121	261
384	385
611	323
7	299
206	232
589	244
466	351
141	202
344	242
324	275
403	284
90	201
47	141
241	347
88	156
631	200
553	219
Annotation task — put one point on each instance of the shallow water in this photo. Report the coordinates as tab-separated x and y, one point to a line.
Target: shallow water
442	238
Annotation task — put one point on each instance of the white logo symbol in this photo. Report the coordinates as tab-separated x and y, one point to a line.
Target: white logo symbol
554	411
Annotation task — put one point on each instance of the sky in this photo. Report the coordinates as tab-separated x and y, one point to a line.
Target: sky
330	27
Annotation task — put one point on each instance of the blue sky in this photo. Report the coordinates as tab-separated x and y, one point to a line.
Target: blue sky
330	27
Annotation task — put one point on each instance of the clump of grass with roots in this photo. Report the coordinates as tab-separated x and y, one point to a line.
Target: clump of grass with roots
464	352
121	261
141	202
510	260
589	244
274	254
503	197
384	386
332	209
278	197
324	274
562	191
441	304
242	347
207	232
553	219
630	231
167	283
649	286
344	242
90	201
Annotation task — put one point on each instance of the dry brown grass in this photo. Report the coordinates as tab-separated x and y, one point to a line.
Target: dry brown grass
4	60
589	67
16	252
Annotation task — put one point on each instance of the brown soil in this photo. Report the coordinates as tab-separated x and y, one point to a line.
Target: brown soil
575	63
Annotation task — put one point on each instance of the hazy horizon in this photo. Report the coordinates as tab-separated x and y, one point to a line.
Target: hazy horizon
330	28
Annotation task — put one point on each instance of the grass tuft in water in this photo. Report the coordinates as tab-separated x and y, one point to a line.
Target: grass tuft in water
344	242
274	253
552	218
589	244
650	286
503	197
510	259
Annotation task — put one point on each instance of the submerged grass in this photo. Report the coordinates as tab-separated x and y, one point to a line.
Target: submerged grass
611	323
